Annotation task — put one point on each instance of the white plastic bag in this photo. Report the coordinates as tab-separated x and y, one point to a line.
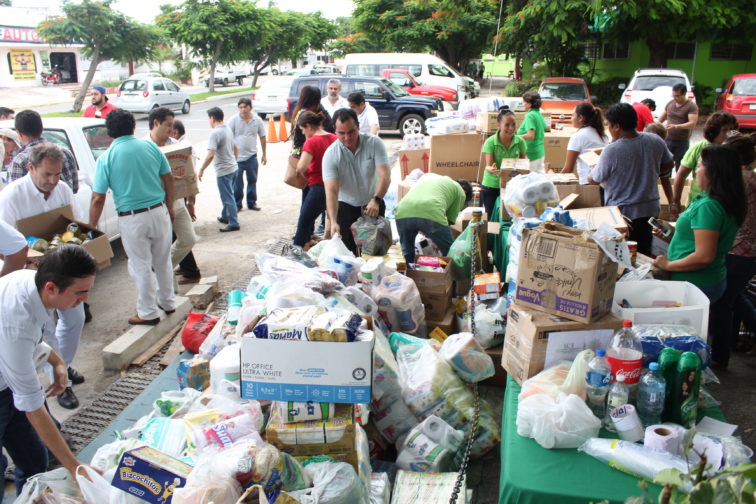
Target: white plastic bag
575	381
333	483
288	295
467	357
51	487
399	303
528	195
564	422
546	382
284	270
430	446
97	489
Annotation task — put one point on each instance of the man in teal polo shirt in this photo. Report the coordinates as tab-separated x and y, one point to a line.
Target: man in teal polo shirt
140	179
432	204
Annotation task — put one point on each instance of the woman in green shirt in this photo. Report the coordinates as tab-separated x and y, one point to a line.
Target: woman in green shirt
706	230
532	131
503	145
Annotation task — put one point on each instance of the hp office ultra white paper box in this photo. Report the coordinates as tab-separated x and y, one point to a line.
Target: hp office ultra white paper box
282	370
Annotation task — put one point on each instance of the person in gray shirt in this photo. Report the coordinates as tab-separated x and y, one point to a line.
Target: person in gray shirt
222	152
629	168
247	127
356	176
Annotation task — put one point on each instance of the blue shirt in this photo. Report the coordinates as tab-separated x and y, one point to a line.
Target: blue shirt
355	171
131	168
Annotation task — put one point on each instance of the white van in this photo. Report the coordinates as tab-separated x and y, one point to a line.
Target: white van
428	69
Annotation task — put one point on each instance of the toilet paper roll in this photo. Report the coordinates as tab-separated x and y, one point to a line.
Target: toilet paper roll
627	423
663	437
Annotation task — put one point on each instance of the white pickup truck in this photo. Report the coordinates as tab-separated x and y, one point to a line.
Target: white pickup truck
87	139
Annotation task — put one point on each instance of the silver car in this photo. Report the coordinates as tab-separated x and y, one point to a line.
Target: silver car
144	92
272	97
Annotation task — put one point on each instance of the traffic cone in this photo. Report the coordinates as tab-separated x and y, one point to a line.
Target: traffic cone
283	135
272	137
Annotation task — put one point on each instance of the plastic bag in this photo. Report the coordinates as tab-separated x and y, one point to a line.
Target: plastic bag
467	357
108	456
657	337
529	195
391	415
333	483
346	268
575	381
329	248
460	253
430	446
546	382
226	366
564	422
289	295
174	403
196	329
372	235
489	322
380	488
215	340
399	303
51	487
97	489
284	270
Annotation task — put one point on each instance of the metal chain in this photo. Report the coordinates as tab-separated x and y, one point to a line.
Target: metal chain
474	235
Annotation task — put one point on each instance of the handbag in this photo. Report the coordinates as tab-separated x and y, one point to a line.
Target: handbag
293	178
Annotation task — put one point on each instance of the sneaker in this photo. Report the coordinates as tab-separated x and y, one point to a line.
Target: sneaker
68	399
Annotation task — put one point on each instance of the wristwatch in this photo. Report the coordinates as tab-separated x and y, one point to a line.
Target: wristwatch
378	199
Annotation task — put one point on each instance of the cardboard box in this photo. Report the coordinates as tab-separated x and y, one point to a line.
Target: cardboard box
321	371
510	168
179	156
436	303
583	196
595	216
447	322
412	159
641	295
338	436
555	145
432	281
403	188
591	157
565	273
532	336
563	178
458	155
499	379
47	224
487	122
489	283
150	474
664	213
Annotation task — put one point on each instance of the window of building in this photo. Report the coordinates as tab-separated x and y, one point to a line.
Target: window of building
591	50
681	50
615	50
725	51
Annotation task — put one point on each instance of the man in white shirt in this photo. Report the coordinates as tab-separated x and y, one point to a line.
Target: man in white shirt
247	127
27	431
13	249
333	101
37	192
366	114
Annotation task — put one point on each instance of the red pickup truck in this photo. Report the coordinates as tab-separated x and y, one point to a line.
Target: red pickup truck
405	80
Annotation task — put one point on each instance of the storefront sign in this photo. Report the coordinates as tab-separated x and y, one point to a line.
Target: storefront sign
22	64
20	34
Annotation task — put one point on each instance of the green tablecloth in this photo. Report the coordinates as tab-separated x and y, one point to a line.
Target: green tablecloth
534	475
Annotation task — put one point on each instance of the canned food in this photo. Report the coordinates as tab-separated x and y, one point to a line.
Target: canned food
67	236
633	247
73	227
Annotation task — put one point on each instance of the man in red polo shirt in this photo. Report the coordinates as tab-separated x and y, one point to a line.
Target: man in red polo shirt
644	109
100	107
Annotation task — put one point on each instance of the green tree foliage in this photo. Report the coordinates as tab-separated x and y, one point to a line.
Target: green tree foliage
217	31
105	33
457	30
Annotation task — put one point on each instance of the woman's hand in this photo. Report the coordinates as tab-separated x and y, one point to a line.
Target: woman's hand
493	170
662	263
659	234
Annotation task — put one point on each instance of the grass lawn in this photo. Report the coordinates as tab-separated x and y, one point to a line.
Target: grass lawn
207	94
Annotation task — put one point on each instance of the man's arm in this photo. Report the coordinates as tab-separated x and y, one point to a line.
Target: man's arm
667	188
332	204
96	204
264	147
169	193
208	159
384	180
236	152
15	261
692	121
663	116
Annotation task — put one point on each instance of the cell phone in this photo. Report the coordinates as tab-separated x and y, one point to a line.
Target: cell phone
660	225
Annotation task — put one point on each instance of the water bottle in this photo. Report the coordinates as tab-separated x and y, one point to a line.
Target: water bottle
619	395
625	356
651	393
597	380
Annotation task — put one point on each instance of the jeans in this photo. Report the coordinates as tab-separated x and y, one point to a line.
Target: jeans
732	306
226	190
640	231
408	228
313	205
678	148
21	442
248	166
489	195
348	214
715	292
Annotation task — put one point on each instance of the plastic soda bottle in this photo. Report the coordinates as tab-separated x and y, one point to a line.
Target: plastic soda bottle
625	356
651	392
668	360
597	380
619	395
687	385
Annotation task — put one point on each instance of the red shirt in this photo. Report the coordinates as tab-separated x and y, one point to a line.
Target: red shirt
644	116
104	111
316	146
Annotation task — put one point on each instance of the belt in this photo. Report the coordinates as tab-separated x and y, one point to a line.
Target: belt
134	212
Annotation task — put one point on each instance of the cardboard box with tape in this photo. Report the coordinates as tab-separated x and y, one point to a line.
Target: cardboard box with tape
410	160
555	147
179	156
457	155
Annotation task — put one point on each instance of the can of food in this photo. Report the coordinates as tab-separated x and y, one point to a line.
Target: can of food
633	246
75	240
73	227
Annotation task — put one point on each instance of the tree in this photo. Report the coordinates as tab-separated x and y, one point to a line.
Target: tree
217	31
106	35
457	30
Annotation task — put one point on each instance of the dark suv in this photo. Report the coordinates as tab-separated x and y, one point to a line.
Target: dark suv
397	109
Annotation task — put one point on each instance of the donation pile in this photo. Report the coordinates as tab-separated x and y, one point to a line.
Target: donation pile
297	391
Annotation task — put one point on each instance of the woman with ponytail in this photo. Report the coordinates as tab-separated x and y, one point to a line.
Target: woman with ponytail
590	135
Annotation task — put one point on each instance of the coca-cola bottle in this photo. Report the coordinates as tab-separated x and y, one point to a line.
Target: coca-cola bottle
625	356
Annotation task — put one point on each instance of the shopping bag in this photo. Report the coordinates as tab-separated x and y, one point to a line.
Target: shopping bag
291	177
372	235
196	329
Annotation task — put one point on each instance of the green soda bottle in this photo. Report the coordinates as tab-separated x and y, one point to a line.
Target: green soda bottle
687	384
668	360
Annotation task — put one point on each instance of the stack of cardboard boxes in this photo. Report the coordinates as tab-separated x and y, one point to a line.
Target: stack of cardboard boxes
435	289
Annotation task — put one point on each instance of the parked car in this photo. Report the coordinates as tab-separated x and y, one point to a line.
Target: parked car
397	109
87	139
655	83
738	96
560	95
144	92
226	75
406	81
272	97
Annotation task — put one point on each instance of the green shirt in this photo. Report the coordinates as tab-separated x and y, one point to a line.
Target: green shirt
703	213
690	160
131	168
434	197
494	146
534	121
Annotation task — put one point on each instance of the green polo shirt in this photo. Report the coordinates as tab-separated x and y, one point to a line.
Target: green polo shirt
131	169
434	197
690	159
534	121
494	146
703	213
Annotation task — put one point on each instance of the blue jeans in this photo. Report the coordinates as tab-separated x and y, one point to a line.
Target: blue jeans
20	441
313	205
732	308
248	166
226	190
408	228
714	292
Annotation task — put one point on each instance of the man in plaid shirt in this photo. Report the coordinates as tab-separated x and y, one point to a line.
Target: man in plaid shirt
29	128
